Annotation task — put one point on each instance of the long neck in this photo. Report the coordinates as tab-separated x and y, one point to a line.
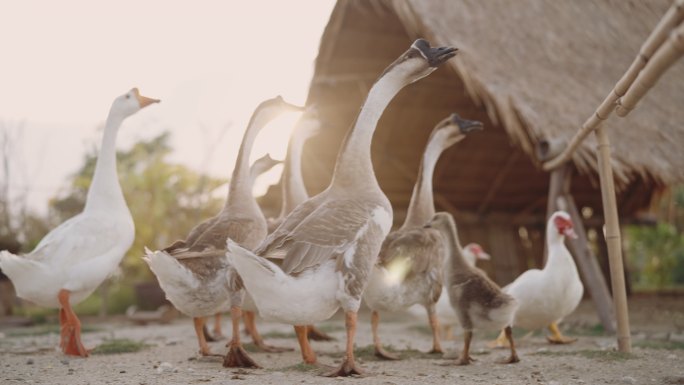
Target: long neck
454	250
293	188
240	190
105	191
556	246
422	206
354	168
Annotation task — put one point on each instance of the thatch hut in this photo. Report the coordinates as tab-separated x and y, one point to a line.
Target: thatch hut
532	71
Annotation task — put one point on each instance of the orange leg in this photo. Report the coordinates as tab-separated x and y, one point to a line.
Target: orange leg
308	354
237	357
199	330
380	352
434	324
218	333
348	366
72	335
250	324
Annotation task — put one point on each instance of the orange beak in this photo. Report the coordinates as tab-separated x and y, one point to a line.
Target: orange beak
144	101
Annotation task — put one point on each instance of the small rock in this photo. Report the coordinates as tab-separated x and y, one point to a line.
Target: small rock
542	350
553	383
190	370
64	362
628	380
164	367
122	371
671	356
29	361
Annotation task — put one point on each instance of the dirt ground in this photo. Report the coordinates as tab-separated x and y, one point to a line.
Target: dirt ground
29	355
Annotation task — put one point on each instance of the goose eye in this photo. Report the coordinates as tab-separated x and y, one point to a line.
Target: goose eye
128	96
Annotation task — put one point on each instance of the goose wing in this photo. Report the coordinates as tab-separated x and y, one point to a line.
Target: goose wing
81	237
424	248
326	233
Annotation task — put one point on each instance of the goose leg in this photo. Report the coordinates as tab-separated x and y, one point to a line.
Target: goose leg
348	366
434	324
318	335
200	329
308	355
380	352
465	358
514	356
237	357
64	329
250	324
557	337
72	337
218	333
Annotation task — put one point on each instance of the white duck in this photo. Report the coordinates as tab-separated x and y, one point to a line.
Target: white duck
547	296
74	258
195	273
325	249
472	253
410	267
478	302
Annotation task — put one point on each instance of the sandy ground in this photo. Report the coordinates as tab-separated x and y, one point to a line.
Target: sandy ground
29	355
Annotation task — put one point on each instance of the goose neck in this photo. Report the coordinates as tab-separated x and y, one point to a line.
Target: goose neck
422	206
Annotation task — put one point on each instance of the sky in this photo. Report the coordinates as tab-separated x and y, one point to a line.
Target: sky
210	62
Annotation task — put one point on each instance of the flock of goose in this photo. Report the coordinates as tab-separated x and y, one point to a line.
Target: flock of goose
331	251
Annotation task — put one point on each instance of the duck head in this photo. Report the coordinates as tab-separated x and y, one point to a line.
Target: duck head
455	128
443	222
130	103
562	222
420	60
473	252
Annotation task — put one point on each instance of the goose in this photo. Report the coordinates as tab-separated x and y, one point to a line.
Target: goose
547	296
259	167
320	257
472	253
410	264
293	193
195	273
73	259
478	302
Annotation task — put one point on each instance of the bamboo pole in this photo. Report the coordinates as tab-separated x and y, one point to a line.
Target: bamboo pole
669	52
672	18
610	213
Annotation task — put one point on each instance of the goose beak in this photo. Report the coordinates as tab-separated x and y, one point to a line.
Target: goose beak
435	56
144	101
466	125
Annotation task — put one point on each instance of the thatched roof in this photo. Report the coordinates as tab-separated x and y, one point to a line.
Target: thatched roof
530	69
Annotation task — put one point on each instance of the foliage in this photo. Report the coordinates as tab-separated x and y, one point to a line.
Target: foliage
116	346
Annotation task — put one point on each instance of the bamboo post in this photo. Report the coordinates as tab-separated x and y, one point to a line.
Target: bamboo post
613	242
591	271
668	53
557	180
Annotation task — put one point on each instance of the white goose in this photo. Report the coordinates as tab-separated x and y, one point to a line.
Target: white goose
74	258
195	274
410	267
325	249
547	296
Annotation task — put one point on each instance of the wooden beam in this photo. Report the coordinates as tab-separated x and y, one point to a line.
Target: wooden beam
588	265
498	180
613	240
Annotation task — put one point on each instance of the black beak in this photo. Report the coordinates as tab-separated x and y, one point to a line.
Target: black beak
435	56
466	125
